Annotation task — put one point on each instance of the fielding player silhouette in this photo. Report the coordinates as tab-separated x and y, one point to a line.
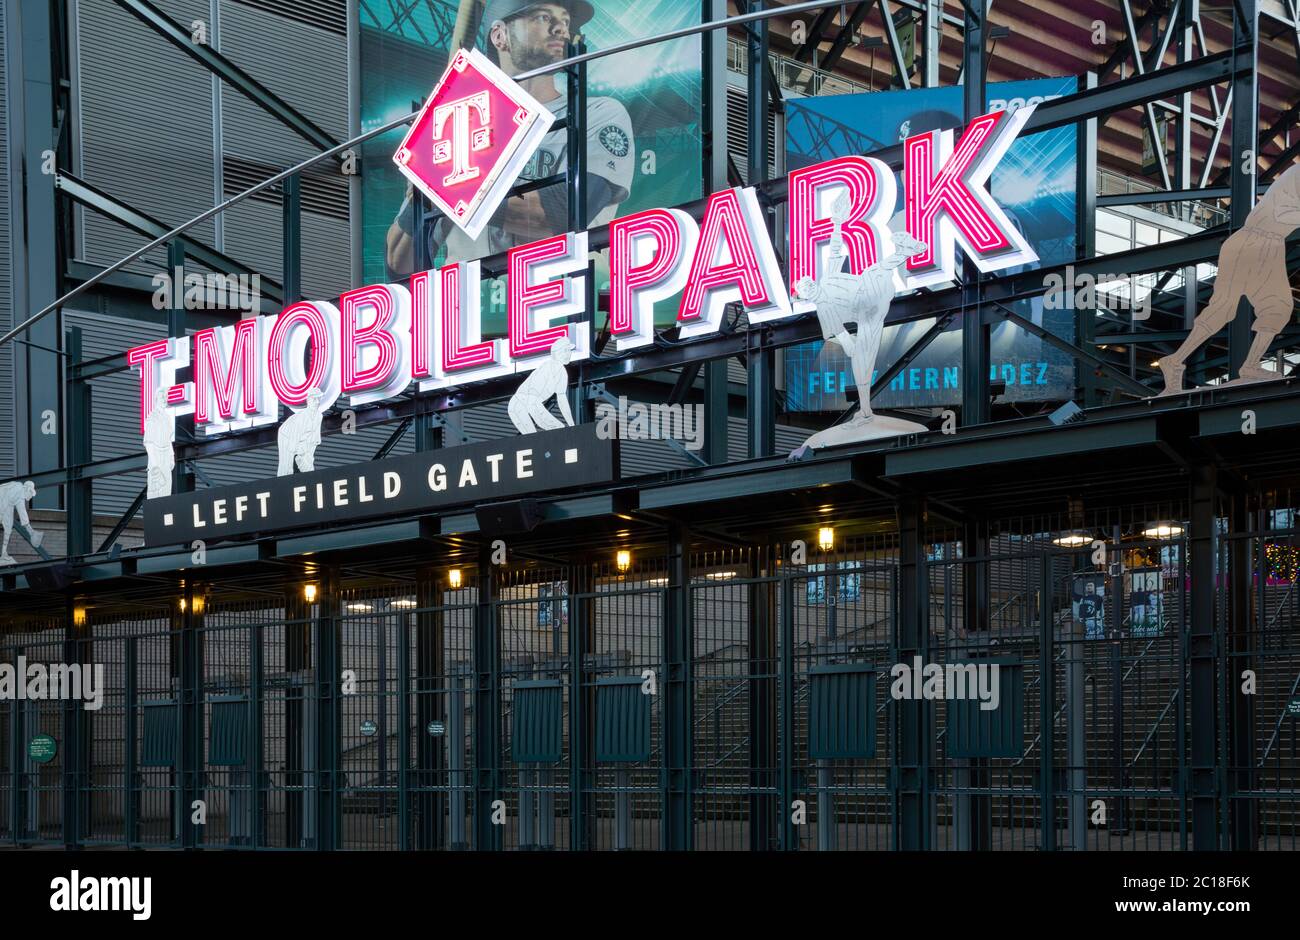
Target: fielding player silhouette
1252	264
527	407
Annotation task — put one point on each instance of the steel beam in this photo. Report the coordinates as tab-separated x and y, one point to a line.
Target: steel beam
111	208
1161	196
975	406
812	39
1199	649
1085	237
231	74
1245	103
291	238
431	705
760	361
895	50
845	35
1116	96
716	176
1133	386
80	442
487	706
1281	162
1188	14
679	694
910	753
33	85
1151	16
1242	818
934	19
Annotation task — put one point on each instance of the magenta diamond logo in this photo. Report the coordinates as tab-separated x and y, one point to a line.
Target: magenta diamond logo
471	140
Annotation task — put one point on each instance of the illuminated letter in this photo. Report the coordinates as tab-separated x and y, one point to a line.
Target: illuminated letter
648	255
302	327
461	355
946	201
157	363
551	296
733	261
229	377
868	185
384	344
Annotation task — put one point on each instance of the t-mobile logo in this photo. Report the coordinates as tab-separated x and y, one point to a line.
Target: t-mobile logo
456	147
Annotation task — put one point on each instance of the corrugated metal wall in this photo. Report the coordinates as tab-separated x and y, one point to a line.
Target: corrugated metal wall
144	123
8	431
307	67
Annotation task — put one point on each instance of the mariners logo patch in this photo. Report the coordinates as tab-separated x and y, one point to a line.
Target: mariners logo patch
614	139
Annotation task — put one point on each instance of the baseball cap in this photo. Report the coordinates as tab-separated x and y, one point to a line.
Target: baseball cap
580	11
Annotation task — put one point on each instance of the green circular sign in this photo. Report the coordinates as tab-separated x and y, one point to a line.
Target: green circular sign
436	728
368	727
42	748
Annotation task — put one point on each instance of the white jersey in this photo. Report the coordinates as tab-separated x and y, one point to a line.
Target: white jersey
611	154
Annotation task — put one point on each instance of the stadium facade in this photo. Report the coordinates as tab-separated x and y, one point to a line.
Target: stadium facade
669	639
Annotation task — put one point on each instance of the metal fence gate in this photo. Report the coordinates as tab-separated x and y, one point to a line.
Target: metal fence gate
737	699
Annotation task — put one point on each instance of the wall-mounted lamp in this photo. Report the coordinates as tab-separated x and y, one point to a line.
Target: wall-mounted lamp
826	538
1072	539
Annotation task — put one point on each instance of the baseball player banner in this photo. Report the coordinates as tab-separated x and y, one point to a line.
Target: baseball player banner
1034	183
642	125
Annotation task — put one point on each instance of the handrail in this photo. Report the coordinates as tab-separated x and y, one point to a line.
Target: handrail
1280	718
737	20
1155	725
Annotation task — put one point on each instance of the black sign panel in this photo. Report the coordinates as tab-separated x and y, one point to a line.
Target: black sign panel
400	486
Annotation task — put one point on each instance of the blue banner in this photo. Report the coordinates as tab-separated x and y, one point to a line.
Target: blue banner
1035	183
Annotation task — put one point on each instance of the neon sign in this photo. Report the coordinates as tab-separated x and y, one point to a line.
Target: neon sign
382	338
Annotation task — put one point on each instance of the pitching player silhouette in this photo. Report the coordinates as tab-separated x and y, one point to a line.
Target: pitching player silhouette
1252	264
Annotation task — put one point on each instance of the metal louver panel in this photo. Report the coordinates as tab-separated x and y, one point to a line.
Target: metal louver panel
622	721
537	729
331	15
842	712
161	730
738	134
324	195
228	734
994	732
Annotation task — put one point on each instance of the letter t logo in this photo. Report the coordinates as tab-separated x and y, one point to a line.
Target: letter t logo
456	147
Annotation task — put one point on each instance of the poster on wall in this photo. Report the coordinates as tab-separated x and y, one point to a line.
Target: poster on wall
1088	605
643	125
1035	183
844	587
1145	603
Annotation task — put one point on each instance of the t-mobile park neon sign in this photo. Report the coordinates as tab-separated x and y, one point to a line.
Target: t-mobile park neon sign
380	339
